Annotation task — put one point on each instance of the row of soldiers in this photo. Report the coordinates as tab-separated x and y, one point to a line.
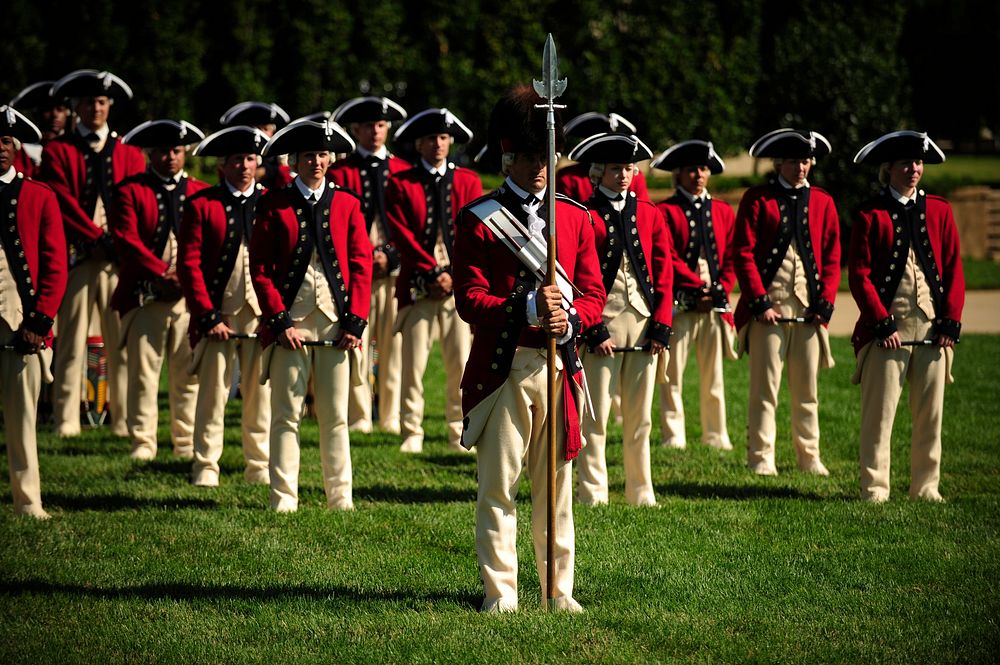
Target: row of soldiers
296	282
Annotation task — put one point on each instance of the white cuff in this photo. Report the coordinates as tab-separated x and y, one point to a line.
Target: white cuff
531	308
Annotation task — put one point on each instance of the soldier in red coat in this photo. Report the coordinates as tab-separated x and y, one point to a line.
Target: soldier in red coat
52	115
574	180
366	172
906	275
311	265
83	167
421	206
214	269
32	283
634	251
787	257
504	389
145	222
702	231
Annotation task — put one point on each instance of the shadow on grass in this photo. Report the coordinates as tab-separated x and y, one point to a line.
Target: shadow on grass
183	591
734	492
118	502
451	460
167	466
389	494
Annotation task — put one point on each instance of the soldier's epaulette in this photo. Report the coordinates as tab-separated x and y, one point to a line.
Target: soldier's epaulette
566	199
936	198
334	186
208	192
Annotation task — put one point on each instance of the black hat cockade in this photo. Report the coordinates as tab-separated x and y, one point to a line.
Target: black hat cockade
368	109
163	133
254	114
608	148
904	144
690	153
592	122
14	124
432	122
309	136
790	143
90	83
238	140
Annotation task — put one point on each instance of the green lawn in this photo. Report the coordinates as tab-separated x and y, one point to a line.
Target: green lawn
138	566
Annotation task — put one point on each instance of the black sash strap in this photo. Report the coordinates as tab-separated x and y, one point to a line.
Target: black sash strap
11	239
438	192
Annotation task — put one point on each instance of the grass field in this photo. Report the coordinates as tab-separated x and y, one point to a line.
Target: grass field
138	566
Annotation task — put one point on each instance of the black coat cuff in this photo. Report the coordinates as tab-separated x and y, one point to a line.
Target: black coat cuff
686	300
353	324
659	332
886	327
949	327
760	304
391	255
823	307
38	323
209	320
595	335
279	322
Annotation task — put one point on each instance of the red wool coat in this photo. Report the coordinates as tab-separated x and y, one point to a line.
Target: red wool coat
406	210
657	280
272	252
679	228
132	220
65	170
486	279
37	255
873	258
574	181
204	242
757	225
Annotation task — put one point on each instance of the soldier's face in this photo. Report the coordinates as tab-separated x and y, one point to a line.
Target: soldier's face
528	171
7	153
312	166
168	162
93	111
904	174
694	179
618	177
371	135
54	119
795	171
239	170
434	147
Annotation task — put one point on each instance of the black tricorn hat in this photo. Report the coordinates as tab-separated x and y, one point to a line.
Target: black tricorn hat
163	134
238	140
433	121
517	124
318	116
790	143
609	148
690	153
904	144
368	109
90	83
592	122
308	136
13	123
36	96
254	114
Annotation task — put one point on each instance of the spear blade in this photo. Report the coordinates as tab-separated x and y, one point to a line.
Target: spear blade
551	86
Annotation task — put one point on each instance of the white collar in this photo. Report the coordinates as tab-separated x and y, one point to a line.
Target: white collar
9	176
246	193
381	153
172	180
309	194
903	200
523	194
691	197
788	185
102	132
436	170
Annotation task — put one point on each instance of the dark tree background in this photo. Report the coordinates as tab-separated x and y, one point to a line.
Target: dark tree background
725	70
